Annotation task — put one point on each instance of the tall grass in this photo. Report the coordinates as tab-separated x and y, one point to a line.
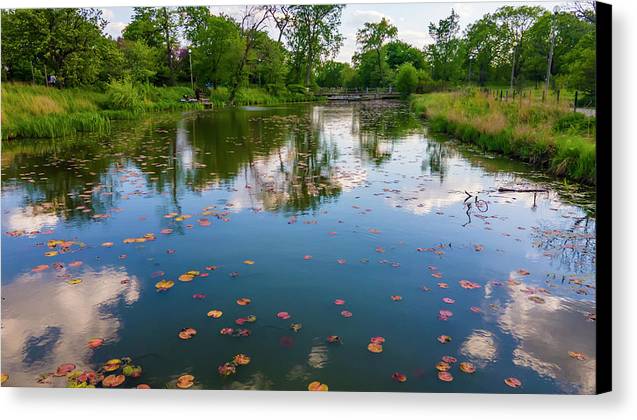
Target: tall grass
550	136
37	111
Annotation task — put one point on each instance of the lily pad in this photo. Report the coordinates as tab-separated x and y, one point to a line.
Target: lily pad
112	381
241	359
187	333
185	381
317	386
215	313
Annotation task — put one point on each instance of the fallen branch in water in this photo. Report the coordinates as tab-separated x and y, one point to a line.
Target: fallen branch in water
501	189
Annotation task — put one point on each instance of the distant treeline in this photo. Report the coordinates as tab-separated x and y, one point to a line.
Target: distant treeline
513	46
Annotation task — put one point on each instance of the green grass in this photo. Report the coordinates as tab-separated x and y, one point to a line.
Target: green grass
547	135
40	112
258	96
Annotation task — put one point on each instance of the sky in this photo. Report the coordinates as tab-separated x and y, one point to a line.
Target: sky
411	19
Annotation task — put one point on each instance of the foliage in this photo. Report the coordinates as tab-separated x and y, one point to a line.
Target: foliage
399	52
332	74
313	34
67	43
372	37
445	53
124	95
407	79
158	28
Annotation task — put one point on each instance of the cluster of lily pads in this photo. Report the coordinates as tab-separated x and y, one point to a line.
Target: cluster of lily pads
230	368
111	374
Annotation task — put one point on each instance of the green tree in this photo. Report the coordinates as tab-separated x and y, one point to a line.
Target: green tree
399	52
158	28
269	61
372	37
332	74
515	22
445	53
484	43
313	34
67	43
217	45
253	21
580	66
139	60
566	29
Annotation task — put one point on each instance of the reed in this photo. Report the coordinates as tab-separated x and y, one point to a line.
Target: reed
549	136
40	112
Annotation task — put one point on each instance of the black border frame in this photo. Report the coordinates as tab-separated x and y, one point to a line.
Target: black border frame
604	377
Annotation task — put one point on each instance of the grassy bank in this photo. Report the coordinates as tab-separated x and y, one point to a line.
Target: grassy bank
549	136
259	96
37	111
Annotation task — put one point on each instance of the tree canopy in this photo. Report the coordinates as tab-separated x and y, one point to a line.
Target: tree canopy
278	46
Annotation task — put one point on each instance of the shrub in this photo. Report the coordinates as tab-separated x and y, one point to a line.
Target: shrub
124	95
407	79
296	88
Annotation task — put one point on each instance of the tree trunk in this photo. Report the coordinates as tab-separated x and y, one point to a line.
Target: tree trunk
169	55
380	67
239	73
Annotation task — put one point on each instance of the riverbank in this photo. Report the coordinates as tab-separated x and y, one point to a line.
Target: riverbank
40	112
550	136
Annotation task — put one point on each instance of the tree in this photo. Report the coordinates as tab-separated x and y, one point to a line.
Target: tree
268	61
253	20
515	22
484	43
406	79
332	74
399	52
566	30
217	45
581	66
65	42
158	28
139	60
282	17
314	33
372	37
444	53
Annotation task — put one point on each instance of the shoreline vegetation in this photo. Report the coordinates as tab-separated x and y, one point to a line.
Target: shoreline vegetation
549	136
63	74
43	112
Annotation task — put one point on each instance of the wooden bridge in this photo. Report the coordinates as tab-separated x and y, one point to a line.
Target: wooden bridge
352	95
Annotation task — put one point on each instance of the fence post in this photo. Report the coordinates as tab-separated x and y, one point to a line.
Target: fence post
558	96
575	103
543	93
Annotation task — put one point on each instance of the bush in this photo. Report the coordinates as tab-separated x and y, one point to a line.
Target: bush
124	95
407	79
296	88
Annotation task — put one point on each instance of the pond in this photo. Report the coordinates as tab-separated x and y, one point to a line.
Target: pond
339	243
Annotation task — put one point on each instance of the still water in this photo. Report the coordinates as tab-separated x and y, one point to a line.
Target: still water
332	220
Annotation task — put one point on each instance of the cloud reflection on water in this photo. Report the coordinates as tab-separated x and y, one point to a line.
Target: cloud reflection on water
545	333
60	319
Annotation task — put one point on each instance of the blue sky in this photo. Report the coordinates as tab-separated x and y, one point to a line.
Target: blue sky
411	19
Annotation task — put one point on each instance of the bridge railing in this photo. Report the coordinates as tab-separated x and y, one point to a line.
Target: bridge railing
350	91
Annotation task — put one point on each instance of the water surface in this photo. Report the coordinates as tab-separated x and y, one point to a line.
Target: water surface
294	207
